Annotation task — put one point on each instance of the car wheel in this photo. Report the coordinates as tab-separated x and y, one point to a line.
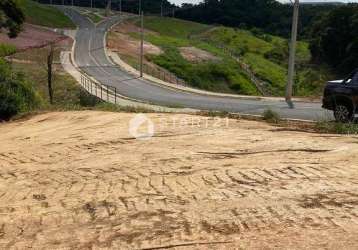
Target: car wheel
343	113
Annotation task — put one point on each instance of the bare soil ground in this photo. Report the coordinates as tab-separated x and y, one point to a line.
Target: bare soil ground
196	55
79	180
34	37
119	41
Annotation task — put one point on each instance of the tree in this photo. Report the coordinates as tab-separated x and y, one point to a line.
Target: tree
11	17
271	16
335	39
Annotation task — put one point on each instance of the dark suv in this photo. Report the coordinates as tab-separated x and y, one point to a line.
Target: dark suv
341	96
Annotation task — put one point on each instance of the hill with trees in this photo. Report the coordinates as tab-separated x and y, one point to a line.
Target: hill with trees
270	16
335	39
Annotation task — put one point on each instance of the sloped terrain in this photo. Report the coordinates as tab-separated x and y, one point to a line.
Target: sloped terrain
80	180
243	53
34	37
45	15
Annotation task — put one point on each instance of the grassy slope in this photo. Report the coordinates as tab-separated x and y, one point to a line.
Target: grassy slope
255	49
222	76
45	15
66	90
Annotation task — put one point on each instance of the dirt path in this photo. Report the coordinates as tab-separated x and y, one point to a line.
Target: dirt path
79	180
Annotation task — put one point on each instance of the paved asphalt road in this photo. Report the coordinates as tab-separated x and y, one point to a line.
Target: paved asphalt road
91	58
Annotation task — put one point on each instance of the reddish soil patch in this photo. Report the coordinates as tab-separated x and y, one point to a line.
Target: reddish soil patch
34	37
124	44
196	55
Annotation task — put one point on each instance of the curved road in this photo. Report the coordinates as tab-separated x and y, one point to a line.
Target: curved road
91	58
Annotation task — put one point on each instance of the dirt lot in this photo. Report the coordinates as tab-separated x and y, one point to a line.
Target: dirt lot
80	180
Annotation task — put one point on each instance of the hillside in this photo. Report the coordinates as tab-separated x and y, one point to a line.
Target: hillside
265	55
45	15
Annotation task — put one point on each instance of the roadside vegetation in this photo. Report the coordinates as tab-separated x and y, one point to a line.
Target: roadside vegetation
17	95
337	128
271	116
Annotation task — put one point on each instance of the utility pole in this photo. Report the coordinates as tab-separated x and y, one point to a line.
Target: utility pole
161	9
140	7
91	4
72	2
292	57
108	8
120	7
141	43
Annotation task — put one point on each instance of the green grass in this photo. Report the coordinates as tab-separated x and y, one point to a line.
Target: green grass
337	128
66	89
266	55
267	70
94	17
223	75
6	49
237	40
174	27
45	15
17	95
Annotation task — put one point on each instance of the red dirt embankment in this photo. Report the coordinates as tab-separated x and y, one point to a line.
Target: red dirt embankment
34	37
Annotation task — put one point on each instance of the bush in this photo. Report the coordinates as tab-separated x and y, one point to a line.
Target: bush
16	96
271	116
278	54
337	128
88	100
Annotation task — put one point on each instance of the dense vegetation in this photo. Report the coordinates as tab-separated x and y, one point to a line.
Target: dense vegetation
16	94
269	15
335	39
11	17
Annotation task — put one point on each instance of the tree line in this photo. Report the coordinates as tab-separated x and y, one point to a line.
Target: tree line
334	39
